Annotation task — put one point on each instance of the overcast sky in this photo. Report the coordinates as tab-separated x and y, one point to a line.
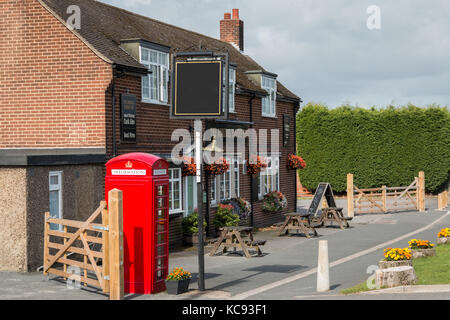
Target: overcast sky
323	50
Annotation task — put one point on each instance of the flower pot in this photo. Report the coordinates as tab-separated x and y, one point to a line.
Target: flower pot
177	286
443	240
192	239
421	253
383	264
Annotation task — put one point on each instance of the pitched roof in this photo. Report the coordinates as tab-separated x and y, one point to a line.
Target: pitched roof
103	27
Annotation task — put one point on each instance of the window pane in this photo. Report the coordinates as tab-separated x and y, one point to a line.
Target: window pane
144	54
54	180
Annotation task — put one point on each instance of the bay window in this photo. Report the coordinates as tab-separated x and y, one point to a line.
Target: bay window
155	84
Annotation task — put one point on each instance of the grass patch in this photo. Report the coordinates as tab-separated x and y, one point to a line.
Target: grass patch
429	270
434	270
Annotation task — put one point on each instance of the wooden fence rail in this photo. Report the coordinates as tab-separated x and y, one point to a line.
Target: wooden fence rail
385	199
93	250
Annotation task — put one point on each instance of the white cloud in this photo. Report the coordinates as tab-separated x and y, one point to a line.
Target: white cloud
323	51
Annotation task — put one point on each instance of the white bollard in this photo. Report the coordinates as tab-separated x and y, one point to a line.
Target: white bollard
323	270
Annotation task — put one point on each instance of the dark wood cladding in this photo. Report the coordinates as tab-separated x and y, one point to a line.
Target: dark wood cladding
154	130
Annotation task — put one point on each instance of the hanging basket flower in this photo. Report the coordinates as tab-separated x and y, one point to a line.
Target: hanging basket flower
274	202
255	165
189	167
217	168
295	162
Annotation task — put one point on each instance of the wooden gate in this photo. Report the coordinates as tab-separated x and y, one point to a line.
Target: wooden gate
96	249
386	199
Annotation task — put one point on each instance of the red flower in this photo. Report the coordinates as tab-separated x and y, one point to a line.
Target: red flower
217	168
255	165
295	162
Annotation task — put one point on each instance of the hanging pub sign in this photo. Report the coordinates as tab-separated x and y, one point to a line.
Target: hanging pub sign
286	129
128	118
199	82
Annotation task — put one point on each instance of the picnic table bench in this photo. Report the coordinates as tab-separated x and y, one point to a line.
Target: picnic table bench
334	215
238	237
299	222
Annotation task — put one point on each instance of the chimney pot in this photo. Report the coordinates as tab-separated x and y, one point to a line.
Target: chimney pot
227	16
235	14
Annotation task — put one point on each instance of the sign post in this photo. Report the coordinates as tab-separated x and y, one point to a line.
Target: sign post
200	81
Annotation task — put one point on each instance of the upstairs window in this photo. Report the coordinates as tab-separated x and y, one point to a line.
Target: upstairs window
155	84
231	90
269	102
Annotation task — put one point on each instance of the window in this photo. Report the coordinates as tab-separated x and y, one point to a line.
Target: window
269	102
231	90
269	179
175	190
55	192
214	190
236	178
226	186
155	84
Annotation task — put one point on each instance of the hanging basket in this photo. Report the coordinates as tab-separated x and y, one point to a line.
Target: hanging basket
255	165
217	168
189	167
295	162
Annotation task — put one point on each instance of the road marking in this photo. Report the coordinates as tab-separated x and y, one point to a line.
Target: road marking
245	295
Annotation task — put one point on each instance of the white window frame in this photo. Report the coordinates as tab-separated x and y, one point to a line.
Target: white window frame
214	190
235	178
173	210
231	90
56	187
220	182
162	69
269	102
272	172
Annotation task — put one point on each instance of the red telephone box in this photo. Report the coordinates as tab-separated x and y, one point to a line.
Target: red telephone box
144	181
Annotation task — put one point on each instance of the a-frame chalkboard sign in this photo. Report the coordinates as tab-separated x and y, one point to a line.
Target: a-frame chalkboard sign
323	190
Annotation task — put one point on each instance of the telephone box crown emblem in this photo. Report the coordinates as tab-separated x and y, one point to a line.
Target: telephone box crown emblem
129	165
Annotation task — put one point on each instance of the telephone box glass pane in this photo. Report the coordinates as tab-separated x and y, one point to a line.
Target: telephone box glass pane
161	191
160	202
161	227
161	214
159	274
161	250
161	238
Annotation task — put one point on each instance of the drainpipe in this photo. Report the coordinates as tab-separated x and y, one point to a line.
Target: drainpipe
250	105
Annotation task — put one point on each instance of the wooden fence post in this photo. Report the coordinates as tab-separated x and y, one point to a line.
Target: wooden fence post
442	200
350	192
115	207
105	249
421	191
46	240
384	198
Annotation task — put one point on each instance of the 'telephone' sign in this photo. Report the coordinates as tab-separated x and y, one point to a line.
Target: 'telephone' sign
128	172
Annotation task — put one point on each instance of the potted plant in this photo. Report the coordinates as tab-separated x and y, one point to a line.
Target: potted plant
225	217
255	165
295	162
177	282
395	257
421	248
444	236
217	168
190	228
274	202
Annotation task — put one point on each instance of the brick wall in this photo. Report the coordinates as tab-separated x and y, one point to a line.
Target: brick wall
51	84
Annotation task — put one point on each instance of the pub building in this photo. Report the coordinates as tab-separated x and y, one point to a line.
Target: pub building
73	98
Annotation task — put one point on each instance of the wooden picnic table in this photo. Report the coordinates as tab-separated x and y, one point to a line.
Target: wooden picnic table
298	222
238	237
334	215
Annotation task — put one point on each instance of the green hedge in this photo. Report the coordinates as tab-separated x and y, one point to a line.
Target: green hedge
379	146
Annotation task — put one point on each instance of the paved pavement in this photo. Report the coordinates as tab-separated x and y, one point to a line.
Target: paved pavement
285	272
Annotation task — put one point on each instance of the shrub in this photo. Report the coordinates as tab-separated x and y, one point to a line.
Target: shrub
274	201
190	223
225	217
379	146
241	207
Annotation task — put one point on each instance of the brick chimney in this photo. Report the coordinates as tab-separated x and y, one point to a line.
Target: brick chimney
232	29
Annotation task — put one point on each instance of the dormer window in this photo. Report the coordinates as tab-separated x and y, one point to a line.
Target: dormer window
269	102
155	85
